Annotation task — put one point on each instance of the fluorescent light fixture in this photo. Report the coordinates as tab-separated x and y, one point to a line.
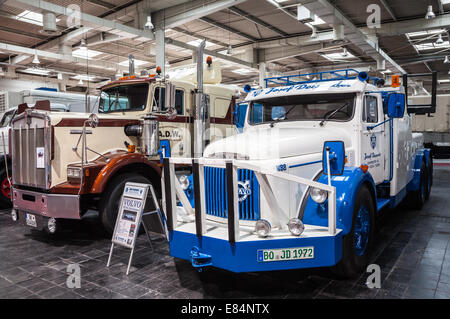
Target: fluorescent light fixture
82	77
36	71
338	56
422	33
136	62
444	2
280	1
242	71
431	46
31	17
444	81
197	42
85	53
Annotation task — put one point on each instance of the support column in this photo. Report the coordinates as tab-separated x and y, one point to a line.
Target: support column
160	50
262	74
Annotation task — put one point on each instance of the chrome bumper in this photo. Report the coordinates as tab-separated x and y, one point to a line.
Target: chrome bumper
48	205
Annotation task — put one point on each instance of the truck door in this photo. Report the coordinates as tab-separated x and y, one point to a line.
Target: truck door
373	137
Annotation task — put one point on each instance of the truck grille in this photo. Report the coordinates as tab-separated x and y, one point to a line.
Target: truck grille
216	193
31	138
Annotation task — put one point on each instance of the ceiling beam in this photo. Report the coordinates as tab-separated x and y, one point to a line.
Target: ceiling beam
389	9
256	20
228	28
330	14
186	12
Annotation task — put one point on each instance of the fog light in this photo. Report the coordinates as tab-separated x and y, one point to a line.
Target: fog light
14	215
51	225
262	228
184	182
296	226
319	195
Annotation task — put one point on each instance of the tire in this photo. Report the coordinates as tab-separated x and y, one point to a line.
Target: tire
417	198
5	188
357	244
430	179
110	201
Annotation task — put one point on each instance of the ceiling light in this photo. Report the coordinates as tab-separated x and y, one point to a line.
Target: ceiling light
59	76
85	53
83	44
230	50
446	60
149	25
314	32
36	71
439	39
430	14
80	82
344	53
36	59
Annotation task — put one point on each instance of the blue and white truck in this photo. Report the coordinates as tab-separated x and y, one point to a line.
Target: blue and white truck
301	186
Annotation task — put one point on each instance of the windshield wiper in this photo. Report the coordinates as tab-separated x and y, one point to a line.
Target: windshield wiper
327	117
284	117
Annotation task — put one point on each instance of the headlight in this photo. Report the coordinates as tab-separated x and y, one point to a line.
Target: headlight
184	182
14	215
319	195
74	172
262	228
296	226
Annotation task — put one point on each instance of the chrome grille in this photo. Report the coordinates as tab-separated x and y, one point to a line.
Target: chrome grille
31	138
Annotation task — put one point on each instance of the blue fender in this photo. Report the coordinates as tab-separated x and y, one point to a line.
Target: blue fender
421	154
347	187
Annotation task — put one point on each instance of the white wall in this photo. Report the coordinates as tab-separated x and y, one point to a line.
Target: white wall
20	85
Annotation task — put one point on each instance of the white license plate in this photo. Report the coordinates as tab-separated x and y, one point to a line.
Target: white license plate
30	220
285	254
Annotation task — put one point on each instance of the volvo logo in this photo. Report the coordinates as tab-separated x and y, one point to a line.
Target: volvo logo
244	190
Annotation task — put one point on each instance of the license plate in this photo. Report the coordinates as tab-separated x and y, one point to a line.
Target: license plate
285	254
30	220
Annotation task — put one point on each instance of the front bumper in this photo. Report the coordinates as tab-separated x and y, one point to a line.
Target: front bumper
47	205
243	255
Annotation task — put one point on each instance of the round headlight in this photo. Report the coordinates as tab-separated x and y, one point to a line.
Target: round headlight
14	215
262	228
51	225
184	182
296	226
319	195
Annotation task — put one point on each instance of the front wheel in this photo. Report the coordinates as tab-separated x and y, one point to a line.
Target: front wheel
5	188
356	245
110	201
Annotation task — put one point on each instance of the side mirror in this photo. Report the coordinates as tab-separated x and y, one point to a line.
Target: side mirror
336	153
93	120
170	95
239	115
396	105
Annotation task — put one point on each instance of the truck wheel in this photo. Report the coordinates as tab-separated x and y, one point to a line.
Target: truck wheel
356	245
430	179
417	198
5	189
110	201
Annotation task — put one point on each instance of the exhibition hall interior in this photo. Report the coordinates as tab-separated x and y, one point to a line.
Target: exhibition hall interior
227	150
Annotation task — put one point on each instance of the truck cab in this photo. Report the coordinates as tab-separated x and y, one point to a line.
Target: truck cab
66	163
301	186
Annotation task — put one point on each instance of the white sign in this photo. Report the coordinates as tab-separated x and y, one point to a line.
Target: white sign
40	157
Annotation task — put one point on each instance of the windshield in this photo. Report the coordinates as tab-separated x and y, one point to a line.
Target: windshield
131	97
6	118
303	108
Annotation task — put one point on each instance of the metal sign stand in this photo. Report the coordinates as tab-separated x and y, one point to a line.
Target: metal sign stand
131	215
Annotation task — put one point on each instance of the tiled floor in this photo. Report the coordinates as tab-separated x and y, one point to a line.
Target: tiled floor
413	251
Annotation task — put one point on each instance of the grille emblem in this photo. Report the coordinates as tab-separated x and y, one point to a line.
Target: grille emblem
244	190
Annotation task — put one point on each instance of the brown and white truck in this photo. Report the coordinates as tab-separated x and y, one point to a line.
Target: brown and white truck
64	164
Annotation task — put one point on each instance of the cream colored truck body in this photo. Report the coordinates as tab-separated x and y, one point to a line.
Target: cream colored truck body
64	198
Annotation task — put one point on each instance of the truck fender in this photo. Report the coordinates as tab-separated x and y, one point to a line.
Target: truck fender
422	154
118	162
347	187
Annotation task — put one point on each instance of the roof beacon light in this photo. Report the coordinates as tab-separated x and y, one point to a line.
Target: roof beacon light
158	70
363	76
247	88
209	61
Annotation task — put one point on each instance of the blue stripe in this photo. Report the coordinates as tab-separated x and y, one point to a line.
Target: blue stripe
298	165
